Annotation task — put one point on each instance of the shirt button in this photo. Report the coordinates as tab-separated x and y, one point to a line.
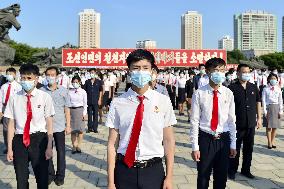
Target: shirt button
247	106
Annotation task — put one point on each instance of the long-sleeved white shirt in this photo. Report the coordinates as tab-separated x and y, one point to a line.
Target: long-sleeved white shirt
272	96
202	105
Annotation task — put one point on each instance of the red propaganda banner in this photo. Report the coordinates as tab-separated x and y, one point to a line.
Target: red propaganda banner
229	66
117	57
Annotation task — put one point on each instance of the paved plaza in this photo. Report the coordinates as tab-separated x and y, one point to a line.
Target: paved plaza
88	170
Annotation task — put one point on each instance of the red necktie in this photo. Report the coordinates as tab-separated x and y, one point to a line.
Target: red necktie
7	94
61	80
214	120
272	88
26	135
130	152
262	81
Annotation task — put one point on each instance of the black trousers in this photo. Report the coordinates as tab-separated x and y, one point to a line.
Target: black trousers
93	113
5	122
59	139
136	178
245	136
214	154
35	154
172	95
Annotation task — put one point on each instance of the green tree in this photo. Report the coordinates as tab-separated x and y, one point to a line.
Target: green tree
274	60
234	57
24	52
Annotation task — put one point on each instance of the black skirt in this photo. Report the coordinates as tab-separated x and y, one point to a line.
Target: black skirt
181	95
106	100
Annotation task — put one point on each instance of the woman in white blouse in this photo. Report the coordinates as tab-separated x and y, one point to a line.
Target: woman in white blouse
181	93
273	108
78	110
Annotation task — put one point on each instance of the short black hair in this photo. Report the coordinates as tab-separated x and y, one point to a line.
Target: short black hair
271	75
62	69
11	69
156	68
52	68
214	62
28	69
76	77
92	69
240	66
140	54
200	65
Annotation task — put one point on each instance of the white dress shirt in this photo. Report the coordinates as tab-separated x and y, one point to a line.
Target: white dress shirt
158	114
65	81
15	87
78	98
42	108
107	84
181	82
270	96
203	81
260	79
201	114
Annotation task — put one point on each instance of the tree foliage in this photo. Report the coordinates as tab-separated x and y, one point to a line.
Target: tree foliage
274	60
234	57
24	52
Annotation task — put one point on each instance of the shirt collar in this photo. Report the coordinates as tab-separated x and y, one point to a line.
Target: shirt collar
220	89
133	94
34	92
48	88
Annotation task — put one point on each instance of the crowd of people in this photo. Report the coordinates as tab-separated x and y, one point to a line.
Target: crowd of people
223	107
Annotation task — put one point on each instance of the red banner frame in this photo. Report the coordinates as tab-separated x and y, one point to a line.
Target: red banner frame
117	57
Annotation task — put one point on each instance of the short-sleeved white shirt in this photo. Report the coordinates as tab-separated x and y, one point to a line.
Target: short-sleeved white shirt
42	108
158	114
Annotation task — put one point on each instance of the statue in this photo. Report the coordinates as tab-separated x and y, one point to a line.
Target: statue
52	56
7	21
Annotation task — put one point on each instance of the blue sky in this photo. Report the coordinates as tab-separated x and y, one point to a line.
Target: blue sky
47	23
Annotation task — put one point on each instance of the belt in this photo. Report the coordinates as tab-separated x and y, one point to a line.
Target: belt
32	134
142	163
76	107
216	136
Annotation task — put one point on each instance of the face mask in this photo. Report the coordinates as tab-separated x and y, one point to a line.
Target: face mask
275	72
105	77
186	71
93	75
229	77
245	76
176	74
10	78
62	73
217	77
76	85
273	82
51	80
28	85
181	75
202	72
140	78
70	76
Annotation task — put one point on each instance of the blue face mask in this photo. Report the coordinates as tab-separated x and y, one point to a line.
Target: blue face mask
10	78
273	82
245	76
140	78
217	77
229	77
28	85
51	80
